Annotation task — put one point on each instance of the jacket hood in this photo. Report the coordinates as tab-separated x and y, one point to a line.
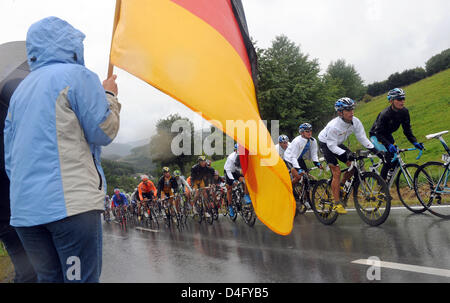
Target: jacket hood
52	40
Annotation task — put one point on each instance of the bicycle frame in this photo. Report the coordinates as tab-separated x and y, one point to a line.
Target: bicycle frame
397	157
446	173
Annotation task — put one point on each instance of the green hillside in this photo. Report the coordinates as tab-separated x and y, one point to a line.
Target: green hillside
428	102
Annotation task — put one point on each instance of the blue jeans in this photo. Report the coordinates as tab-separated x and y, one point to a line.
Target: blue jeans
68	250
24	270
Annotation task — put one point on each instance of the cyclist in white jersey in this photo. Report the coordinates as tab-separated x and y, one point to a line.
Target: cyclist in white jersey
331	140
303	146
283	143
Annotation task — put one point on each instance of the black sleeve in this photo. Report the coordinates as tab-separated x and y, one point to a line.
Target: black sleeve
160	186
378	126
237	161
174	183
406	125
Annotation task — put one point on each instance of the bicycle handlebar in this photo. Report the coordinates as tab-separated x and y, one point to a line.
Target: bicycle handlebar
405	150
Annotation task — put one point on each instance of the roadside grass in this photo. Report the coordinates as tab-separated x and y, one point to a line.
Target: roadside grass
428	102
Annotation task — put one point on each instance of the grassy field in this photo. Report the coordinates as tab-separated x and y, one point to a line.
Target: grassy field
428	102
6	267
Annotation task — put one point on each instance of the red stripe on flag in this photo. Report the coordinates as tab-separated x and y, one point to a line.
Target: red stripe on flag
219	15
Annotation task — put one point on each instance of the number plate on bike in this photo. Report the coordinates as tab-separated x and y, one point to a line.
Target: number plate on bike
445	158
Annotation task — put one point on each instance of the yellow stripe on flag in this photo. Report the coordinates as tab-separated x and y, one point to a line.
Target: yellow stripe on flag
180	54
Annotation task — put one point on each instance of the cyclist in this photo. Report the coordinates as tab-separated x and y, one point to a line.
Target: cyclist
118	199
183	187
146	189
107	207
218	180
167	184
283	143
302	146
233	173
331	140
201	176
387	122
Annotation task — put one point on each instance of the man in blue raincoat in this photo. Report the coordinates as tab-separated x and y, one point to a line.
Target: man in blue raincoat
57	121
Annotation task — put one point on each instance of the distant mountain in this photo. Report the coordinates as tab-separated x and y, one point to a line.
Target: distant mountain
115	151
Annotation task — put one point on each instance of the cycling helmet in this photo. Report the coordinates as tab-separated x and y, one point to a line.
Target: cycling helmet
144	177
116	190
201	158
396	93
304	126
344	103
283	138
236	146
166	169
176	173
208	162
216	172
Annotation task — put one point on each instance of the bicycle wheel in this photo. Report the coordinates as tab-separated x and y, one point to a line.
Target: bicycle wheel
322	202
198	214
432	186
249	215
300	207
209	216
235	212
372	199
405	189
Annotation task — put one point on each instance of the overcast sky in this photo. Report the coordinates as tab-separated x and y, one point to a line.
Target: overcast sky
379	37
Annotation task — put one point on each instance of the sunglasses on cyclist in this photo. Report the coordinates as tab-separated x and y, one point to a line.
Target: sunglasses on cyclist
400	98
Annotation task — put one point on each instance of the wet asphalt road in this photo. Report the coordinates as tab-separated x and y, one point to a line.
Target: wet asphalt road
233	252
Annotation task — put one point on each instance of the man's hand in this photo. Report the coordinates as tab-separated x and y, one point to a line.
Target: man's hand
392	148
419	145
351	155
111	85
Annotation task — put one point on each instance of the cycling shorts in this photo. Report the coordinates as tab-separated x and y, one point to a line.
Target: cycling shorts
164	194
236	177
198	184
332	158
301	162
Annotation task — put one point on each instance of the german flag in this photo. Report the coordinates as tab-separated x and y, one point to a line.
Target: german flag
199	52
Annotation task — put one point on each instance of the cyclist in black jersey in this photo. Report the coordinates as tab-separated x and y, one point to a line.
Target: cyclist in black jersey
387	122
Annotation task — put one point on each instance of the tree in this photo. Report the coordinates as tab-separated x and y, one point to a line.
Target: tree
161	143
438	62
351	82
290	89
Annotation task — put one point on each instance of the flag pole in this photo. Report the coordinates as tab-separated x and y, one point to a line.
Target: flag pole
116	20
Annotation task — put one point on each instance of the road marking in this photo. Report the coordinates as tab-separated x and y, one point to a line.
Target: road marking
147	229
407	267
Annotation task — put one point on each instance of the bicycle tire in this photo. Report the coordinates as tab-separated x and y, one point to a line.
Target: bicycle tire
407	200
199	215
427	200
322	202
375	203
249	215
235	211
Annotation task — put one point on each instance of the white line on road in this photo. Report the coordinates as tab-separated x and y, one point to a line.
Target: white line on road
407	267
147	229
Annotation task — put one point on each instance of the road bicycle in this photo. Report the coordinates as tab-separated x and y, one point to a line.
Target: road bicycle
122	216
370	195
170	214
240	206
432	182
403	177
302	190
147	214
203	210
